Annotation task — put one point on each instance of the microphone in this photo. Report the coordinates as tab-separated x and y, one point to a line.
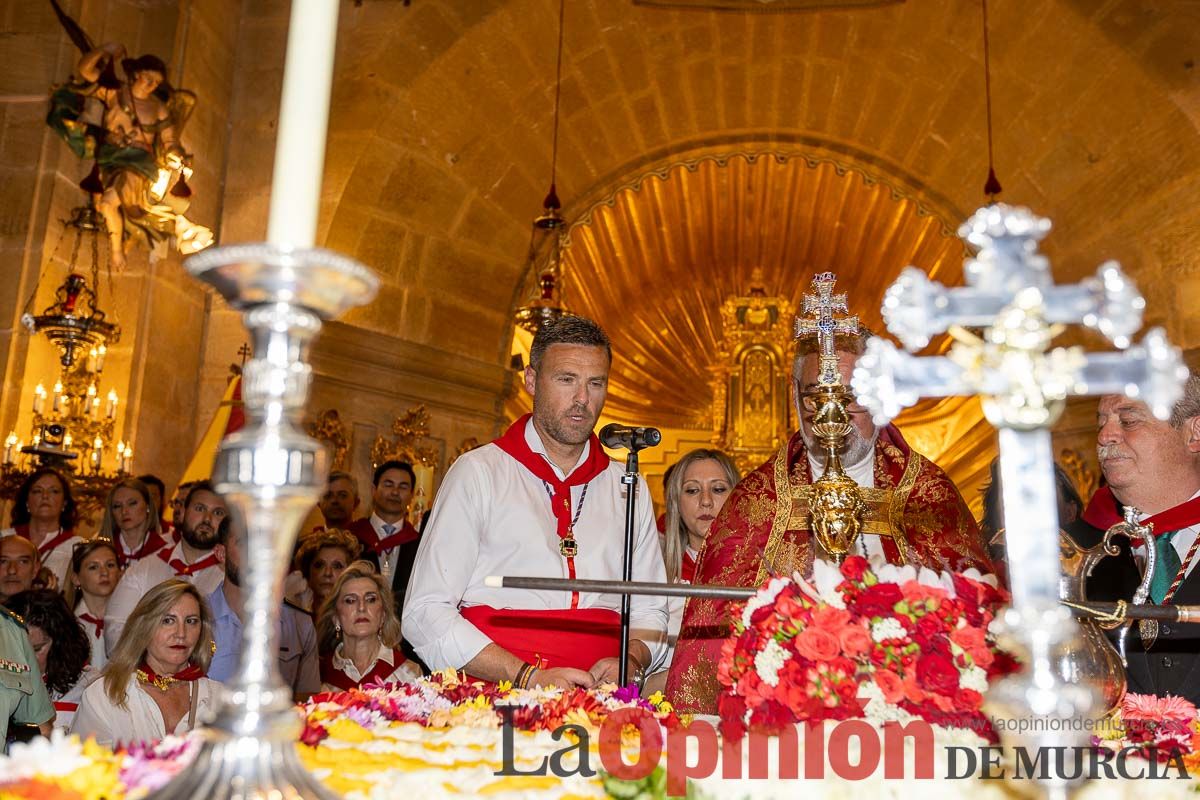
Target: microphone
616	436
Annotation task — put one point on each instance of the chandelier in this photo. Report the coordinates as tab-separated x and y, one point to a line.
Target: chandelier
73	423
544	303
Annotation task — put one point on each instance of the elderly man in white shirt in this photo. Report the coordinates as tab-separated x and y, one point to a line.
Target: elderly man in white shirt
542	500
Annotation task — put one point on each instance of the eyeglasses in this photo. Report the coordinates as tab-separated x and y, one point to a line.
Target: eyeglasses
811	403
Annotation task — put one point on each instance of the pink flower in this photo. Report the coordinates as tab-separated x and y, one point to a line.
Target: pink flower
915	592
817	645
855	640
890	684
831	619
1147	706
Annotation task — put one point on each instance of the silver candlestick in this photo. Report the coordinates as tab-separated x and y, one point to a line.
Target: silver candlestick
273	474
1024	385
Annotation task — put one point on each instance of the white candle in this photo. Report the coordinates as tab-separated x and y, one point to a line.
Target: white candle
111	410
39	399
100	358
67	442
9	445
303	119
91	362
56	406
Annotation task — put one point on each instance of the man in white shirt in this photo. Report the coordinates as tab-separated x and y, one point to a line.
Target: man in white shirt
1154	467
196	559
543	500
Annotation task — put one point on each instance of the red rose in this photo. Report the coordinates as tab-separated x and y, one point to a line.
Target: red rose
831	619
936	673
855	640
817	645
968	700
890	684
938	645
927	627
879	600
854	567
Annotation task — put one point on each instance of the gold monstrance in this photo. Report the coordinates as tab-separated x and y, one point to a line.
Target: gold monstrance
836	506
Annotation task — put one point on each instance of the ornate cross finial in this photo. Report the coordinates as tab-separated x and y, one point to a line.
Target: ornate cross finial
824	326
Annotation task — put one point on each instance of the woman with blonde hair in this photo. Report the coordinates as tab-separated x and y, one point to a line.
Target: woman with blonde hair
154	682
359	633
132	522
700	483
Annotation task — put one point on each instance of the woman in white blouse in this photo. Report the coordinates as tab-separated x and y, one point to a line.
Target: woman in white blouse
154	681
359	633
93	577
132	523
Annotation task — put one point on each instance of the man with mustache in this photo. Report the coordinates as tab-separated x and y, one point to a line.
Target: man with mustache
542	500
195	559
763	527
1154	466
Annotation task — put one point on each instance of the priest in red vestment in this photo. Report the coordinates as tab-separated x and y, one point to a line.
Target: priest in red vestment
914	515
542	500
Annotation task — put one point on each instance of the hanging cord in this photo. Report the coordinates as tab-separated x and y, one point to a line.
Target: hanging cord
551	201
991	187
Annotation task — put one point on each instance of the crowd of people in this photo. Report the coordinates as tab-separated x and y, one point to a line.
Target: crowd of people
129	634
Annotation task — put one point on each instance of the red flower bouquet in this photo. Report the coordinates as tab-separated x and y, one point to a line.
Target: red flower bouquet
891	645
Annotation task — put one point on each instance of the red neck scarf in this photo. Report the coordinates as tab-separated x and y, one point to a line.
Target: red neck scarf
404	533
335	677
513	442
163	682
687	570
152	544
1104	511
98	624
183	569
49	543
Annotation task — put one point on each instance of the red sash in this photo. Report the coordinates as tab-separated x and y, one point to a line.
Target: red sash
189	673
335	677
407	533
183	569
551	638
152	544
50	542
1104	511
513	442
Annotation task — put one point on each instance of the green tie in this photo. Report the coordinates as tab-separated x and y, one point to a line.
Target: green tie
1165	568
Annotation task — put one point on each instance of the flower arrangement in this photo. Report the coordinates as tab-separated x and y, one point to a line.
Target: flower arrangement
892	644
1156	727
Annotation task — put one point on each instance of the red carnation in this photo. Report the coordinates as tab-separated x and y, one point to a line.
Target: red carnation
936	673
927	627
770	717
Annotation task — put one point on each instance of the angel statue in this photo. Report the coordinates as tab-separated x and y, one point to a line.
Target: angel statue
129	124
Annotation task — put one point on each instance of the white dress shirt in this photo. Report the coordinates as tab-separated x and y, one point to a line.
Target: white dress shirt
141	719
141	577
387	559
404	670
492	517
58	560
66	705
99	657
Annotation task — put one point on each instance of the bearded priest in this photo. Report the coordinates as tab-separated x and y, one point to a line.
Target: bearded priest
914	515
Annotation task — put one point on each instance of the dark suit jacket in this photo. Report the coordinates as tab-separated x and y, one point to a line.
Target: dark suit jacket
366	535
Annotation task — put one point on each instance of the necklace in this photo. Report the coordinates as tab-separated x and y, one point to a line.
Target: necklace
568	546
146	674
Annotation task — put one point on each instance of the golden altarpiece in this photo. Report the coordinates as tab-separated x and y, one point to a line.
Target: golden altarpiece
752	410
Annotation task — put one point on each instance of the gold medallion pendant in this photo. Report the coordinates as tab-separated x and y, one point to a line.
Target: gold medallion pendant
568	547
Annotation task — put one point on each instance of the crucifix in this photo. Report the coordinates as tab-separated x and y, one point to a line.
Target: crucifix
822	304
1023	385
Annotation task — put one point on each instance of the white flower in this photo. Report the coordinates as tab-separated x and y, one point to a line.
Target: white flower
765	597
769	661
57	756
887	628
973	678
825	580
878	710
890	573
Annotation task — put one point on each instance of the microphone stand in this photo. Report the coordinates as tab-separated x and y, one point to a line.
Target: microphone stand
629	479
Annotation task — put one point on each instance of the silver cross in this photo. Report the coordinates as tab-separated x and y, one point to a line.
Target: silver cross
822	304
1023	385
